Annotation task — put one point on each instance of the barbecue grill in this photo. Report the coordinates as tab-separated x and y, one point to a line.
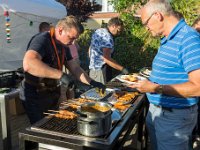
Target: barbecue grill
8	91
63	133
11	79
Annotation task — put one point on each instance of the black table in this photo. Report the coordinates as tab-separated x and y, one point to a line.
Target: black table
115	140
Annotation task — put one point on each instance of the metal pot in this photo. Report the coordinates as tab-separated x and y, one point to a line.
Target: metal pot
94	122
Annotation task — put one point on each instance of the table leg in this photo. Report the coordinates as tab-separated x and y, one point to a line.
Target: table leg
21	142
5	125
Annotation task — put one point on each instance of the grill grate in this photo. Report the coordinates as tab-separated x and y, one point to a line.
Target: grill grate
59	127
66	126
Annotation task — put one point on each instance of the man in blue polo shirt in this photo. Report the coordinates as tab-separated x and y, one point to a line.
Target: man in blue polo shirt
174	83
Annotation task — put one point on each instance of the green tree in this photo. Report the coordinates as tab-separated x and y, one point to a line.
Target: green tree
82	9
189	8
136	48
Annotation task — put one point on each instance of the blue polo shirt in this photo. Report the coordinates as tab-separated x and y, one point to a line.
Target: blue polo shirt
178	55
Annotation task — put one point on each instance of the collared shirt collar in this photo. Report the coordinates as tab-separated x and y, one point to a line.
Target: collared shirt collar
180	24
109	32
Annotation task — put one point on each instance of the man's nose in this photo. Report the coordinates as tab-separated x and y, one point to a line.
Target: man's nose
147	27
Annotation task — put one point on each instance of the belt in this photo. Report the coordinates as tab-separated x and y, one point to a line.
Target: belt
164	108
40	86
99	68
171	109
37	85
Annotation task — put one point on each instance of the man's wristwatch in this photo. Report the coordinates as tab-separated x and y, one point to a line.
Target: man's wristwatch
160	89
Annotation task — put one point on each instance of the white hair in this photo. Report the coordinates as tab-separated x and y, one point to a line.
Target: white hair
159	6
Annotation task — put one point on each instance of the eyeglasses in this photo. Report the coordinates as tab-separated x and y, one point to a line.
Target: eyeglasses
147	21
71	37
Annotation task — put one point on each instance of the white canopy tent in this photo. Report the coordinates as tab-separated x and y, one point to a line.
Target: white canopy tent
21	13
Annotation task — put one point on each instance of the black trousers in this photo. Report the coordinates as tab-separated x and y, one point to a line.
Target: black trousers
107	70
37	102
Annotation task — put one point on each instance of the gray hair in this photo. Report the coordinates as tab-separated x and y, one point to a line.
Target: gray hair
162	6
70	22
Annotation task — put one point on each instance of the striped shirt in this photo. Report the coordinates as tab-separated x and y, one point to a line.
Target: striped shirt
178	55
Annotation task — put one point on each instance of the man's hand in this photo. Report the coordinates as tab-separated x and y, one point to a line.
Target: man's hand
67	81
145	86
98	85
125	71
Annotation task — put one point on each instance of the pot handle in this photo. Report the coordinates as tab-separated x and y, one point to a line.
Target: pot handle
89	122
81	114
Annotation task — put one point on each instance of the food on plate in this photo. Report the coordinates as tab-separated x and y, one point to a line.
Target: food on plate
131	78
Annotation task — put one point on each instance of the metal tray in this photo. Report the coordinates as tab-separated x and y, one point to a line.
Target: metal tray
93	94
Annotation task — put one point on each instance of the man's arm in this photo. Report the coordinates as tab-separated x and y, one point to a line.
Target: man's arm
77	71
32	64
187	89
109	61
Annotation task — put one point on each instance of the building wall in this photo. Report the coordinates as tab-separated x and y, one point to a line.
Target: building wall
106	6
107	12
96	19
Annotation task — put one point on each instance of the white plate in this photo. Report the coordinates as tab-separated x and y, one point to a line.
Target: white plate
144	75
121	78
146	71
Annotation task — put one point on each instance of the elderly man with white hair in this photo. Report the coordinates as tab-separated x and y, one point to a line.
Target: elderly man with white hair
174	83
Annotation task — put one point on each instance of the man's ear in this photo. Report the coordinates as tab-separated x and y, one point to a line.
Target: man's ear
60	30
159	16
115	26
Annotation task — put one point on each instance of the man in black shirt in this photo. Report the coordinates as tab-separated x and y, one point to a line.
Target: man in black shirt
44	26
46	54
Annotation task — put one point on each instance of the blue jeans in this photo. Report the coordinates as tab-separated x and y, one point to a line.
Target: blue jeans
171	129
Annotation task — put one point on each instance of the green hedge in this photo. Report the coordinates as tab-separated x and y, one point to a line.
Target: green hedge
135	48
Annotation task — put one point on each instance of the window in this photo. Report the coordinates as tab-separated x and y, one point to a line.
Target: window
106	6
